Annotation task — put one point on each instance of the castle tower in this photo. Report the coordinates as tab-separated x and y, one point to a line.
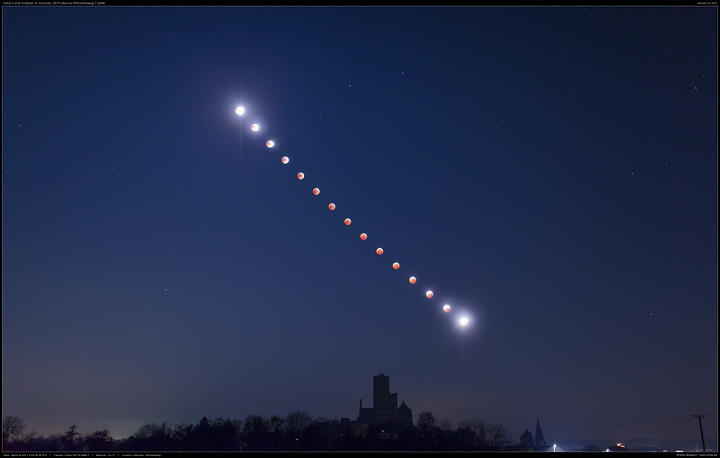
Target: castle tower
382	398
385	410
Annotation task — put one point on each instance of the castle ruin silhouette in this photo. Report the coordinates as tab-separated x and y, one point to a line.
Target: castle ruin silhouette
385	410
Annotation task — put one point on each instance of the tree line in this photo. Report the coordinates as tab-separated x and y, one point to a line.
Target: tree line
297	431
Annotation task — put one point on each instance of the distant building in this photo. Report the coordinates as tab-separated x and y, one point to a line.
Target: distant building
540	444
385	411
539	438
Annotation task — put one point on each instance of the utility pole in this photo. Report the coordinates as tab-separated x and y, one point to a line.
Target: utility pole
700	417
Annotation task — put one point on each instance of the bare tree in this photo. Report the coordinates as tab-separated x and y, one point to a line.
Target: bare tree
275	428
254	432
147	430
498	436
276	424
98	440
296	422
426	424
479	431
428	430
153	436
445	426
12	430
465	436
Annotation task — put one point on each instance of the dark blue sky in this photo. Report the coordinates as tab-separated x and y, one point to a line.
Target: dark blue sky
550	172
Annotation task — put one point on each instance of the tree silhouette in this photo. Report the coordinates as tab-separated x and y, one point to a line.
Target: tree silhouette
296	422
275	433
465	437
526	440
12	430
476	431
426	423
298	431
254	433
209	435
428	431
498	436
98	440
446	434
152	437
225	434
71	439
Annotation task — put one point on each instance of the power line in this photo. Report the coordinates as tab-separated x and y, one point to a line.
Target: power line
700	417
620	424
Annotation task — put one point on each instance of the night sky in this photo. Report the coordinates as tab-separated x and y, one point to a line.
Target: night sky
551	173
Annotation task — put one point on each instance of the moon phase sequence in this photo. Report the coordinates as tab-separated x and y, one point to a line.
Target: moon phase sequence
463	320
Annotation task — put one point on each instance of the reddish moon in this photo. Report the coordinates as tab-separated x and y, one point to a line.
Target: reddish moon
413	280
316	191
347	221
446	308
429	294
269	143
363	236
331	206
379	251
396	265
300	176
285	159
